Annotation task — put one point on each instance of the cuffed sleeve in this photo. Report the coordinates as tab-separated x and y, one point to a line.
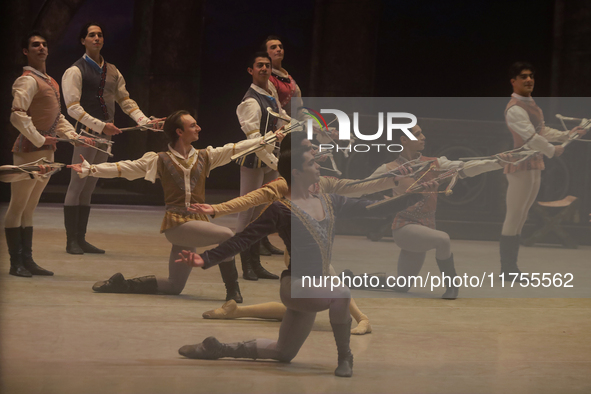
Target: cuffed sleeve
144	167
128	105
223	155
267	223
23	91
266	194
518	121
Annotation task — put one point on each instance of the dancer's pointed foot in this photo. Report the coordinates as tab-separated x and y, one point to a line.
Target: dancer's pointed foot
363	327
227	311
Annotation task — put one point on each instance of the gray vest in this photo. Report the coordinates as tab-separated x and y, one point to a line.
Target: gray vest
252	160
98	89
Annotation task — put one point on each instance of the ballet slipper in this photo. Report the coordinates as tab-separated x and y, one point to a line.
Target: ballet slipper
363	327
227	311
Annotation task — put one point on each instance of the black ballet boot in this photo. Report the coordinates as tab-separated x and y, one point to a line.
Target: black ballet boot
118	284
230	278
15	249
212	349
28	262
342	335
448	268
509	250
256	266
247	272
267	248
83	214
71	223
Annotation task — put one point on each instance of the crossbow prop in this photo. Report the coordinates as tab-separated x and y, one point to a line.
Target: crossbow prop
447	176
147	126
523	153
414	165
100	144
12	173
320	156
271	138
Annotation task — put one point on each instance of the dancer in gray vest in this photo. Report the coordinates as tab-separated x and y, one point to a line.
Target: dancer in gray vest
260	168
91	87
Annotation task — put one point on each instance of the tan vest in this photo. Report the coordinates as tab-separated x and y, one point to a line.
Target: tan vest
45	107
536	117
45	110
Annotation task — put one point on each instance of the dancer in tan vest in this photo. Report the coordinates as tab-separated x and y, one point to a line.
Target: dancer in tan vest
525	121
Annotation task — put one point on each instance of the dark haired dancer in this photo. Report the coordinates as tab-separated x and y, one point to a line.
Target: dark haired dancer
305	222
182	171
36	113
274	191
525	121
91	88
258	168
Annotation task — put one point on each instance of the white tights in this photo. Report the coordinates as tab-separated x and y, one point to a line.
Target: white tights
24	195
521	193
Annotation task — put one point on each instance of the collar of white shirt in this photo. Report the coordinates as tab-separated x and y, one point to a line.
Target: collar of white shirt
263	91
522	98
88	58
177	154
39	73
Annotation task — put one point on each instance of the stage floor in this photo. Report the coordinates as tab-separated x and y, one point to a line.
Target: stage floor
57	336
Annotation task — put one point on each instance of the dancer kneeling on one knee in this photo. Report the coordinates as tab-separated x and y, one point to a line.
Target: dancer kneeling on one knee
312	219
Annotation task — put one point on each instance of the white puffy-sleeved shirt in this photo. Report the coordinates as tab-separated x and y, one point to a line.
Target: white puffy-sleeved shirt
72	89
518	121
249	115
23	90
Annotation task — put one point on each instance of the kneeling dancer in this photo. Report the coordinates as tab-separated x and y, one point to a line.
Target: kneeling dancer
312	219
182	171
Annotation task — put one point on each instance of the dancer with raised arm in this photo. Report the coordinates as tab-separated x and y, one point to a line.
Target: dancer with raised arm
274	191
182	171
305	222
413	229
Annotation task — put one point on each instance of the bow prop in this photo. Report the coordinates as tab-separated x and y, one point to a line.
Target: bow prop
12	173
330	156
270	139
100	144
415	166
418	187
521	154
147	126
585	123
